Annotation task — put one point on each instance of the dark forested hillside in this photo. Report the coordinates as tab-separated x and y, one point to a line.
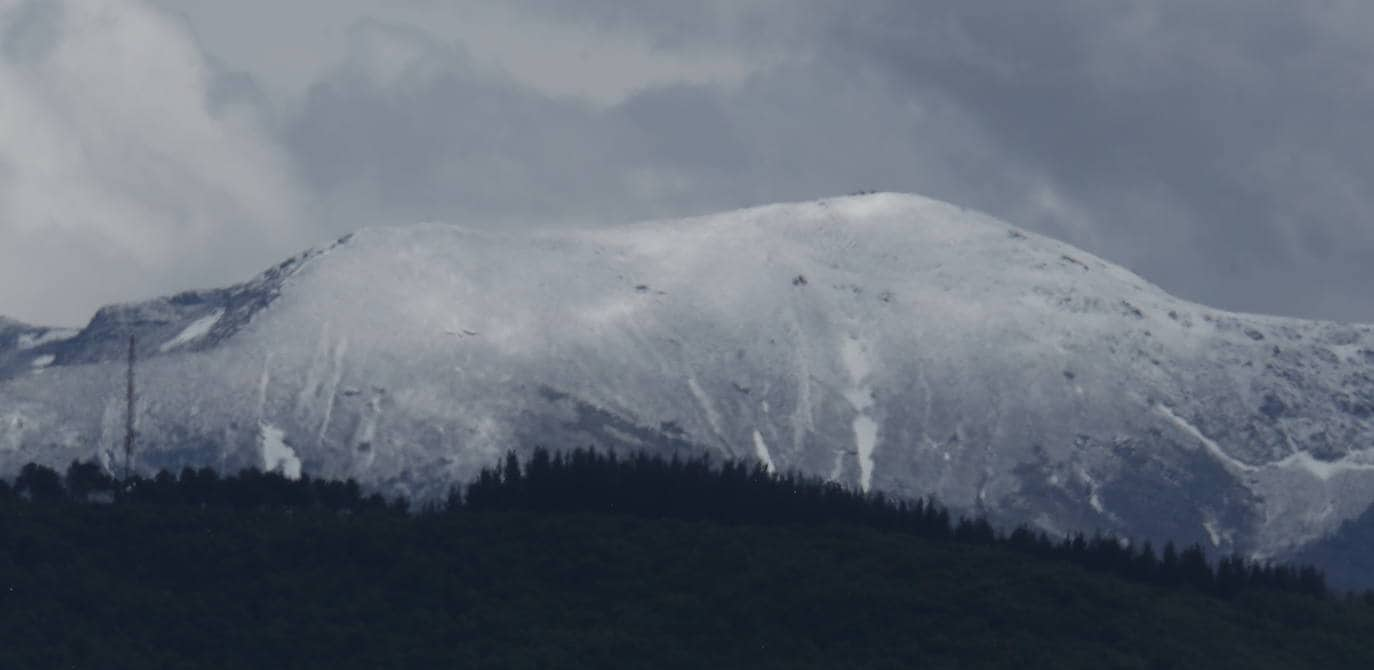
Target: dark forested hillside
585	560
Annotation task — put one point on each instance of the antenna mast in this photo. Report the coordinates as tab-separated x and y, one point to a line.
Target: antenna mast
129	414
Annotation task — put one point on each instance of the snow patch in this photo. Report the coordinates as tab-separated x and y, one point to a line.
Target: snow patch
1217	534
1300	460
32	340
865	439
704	401
198	329
761	451
1211	446
854	355
838	466
1323	470
11	431
43	361
263	381
1094	500
1213	533
332	396
276	454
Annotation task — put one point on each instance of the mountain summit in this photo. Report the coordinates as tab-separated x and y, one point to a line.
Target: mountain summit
889	342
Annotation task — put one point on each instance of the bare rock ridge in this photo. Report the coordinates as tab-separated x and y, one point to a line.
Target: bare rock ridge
886	341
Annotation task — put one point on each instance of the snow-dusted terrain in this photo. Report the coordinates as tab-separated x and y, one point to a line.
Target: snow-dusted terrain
886	341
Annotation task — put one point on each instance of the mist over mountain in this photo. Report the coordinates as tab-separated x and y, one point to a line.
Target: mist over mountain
888	342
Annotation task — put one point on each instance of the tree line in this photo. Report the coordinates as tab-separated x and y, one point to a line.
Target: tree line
746	492
693	489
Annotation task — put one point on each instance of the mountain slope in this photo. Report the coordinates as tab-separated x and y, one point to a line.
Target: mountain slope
886	341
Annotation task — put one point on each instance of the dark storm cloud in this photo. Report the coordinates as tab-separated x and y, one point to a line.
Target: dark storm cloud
119	179
409	127
1222	148
1247	120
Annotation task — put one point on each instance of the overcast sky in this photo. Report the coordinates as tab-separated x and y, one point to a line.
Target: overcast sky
1223	149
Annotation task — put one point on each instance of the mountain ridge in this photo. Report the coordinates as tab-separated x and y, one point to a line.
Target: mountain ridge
890	342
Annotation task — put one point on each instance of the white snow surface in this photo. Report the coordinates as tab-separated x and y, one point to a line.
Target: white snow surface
1326	470
892	342
196	330
1212	447
762	453
276	455
1213	533
38	339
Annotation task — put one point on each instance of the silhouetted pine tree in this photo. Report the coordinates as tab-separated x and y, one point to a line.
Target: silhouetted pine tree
695	488
85	480
39	484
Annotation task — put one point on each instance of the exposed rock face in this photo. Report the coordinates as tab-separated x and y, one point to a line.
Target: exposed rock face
886	341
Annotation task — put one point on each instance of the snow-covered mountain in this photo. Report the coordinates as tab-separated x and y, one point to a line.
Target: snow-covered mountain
886	341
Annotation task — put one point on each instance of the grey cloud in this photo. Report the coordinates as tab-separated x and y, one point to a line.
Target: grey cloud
428	135
1223	109
1221	148
685	126
408	128
119	181
32	30
689	25
228	89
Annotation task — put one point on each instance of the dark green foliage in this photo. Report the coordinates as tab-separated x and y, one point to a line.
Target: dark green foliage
585	560
696	489
39	484
732	492
87	481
